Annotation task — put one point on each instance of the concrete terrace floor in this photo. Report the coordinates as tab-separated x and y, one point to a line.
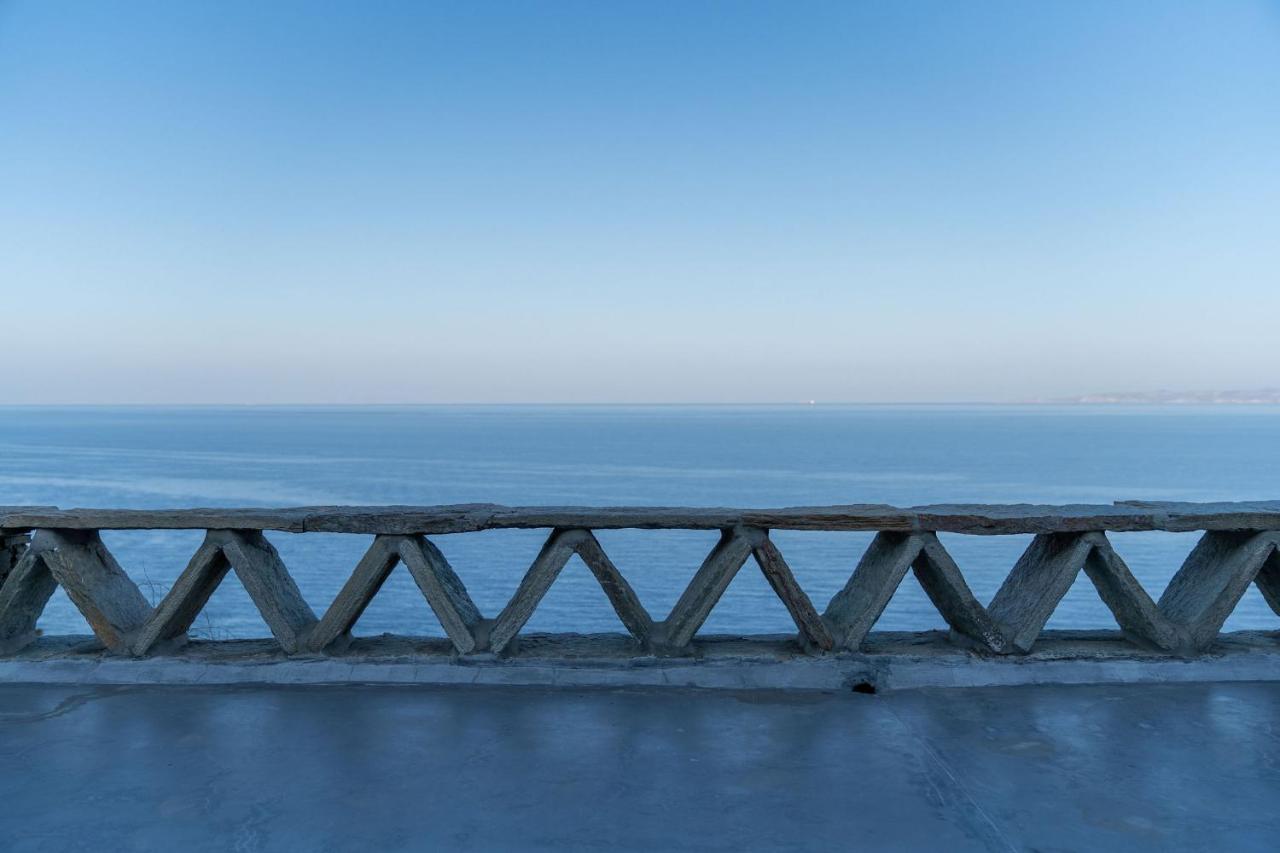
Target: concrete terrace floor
1179	767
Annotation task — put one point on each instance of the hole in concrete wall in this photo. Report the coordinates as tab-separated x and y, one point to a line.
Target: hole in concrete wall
863	687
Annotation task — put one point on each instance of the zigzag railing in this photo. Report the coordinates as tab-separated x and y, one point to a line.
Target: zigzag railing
43	548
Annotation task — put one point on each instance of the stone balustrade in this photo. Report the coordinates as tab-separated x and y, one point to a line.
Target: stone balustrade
44	547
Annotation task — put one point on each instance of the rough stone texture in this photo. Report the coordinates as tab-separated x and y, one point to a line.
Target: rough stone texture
370	574
24	595
706	587
955	518
1135	612
1186	621
269	584
889	661
778	574
1213	579
633	615
95	583
556	551
1037	583
185	599
1268	580
12	546
855	609
444	592
942	581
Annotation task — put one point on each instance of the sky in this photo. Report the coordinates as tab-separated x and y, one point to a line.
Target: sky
242	202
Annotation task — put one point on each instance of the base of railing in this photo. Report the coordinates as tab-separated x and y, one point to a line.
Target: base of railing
889	661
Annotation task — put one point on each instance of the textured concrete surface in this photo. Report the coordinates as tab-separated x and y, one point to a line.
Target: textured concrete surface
890	662
1171	767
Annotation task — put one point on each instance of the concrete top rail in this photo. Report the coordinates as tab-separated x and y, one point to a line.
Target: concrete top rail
982	519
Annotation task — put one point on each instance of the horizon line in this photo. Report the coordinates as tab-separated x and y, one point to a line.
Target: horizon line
632	404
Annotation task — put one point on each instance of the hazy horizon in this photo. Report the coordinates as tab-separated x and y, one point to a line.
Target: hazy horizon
240	203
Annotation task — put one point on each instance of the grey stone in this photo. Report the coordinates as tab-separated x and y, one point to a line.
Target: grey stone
444	592
942	581
856	607
778	574
79	562
370	573
1039	580
706	587
1212	580
185	599
981	519
269	585
546	567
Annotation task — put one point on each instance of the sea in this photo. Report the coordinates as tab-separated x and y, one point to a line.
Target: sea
744	456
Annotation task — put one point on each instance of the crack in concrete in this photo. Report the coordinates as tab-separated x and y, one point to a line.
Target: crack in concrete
949	778
66	706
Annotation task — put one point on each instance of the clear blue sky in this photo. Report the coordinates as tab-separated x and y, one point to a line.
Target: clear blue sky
685	201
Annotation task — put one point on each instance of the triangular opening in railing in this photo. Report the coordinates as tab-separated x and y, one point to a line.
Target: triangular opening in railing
1046	572
909	610
398	608
257	566
575	603
446	596
1082	609
854	610
718	572
560	547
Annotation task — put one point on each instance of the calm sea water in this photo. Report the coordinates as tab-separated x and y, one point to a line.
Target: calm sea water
744	456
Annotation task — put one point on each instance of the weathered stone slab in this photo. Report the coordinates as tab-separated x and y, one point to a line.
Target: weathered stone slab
625	602
269	584
24	595
1039	580
401	520
1186	516
1212	580
1135	612
979	519
370	574
444	592
942	581
189	594
289	520
111	603
780	578
708	584
856	607
546	567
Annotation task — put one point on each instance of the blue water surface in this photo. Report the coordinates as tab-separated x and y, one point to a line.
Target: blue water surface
716	455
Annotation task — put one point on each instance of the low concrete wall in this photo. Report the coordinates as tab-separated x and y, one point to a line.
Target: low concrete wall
895	662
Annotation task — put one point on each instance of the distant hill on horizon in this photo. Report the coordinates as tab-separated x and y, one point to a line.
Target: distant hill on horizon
1254	397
